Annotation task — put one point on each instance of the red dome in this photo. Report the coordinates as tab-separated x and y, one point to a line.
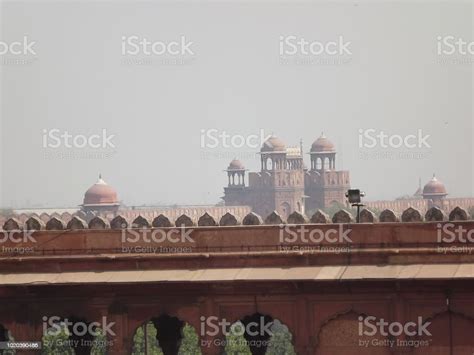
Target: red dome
273	144
322	145
100	194
434	187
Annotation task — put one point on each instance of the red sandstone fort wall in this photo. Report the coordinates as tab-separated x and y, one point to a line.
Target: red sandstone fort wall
398	206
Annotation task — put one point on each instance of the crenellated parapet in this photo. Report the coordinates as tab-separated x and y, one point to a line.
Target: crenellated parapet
151	214
409	215
422	205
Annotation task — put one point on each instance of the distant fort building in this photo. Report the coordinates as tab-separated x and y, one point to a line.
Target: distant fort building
324	185
284	184
101	200
433	194
100	197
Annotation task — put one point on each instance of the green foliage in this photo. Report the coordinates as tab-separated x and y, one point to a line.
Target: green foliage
280	342
139	341
189	343
57	344
100	343
235	343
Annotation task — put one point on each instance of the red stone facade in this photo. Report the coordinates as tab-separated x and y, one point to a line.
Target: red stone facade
433	194
284	184
321	290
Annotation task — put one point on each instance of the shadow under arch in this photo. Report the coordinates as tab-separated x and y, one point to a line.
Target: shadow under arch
258	334
72	335
5	336
165	335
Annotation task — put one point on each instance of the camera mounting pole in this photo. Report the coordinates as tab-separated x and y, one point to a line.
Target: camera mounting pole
354	198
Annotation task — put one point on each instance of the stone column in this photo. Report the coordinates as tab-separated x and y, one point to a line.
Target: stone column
122	341
26	331
26	325
302	333
207	342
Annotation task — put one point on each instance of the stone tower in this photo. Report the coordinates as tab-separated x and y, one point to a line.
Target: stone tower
324	185
284	184
235	193
278	186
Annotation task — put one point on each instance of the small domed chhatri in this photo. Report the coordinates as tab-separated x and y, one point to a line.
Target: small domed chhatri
273	144
322	144
100	196
236	164
236	173
434	187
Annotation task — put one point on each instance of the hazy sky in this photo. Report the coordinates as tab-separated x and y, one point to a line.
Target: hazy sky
236	73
